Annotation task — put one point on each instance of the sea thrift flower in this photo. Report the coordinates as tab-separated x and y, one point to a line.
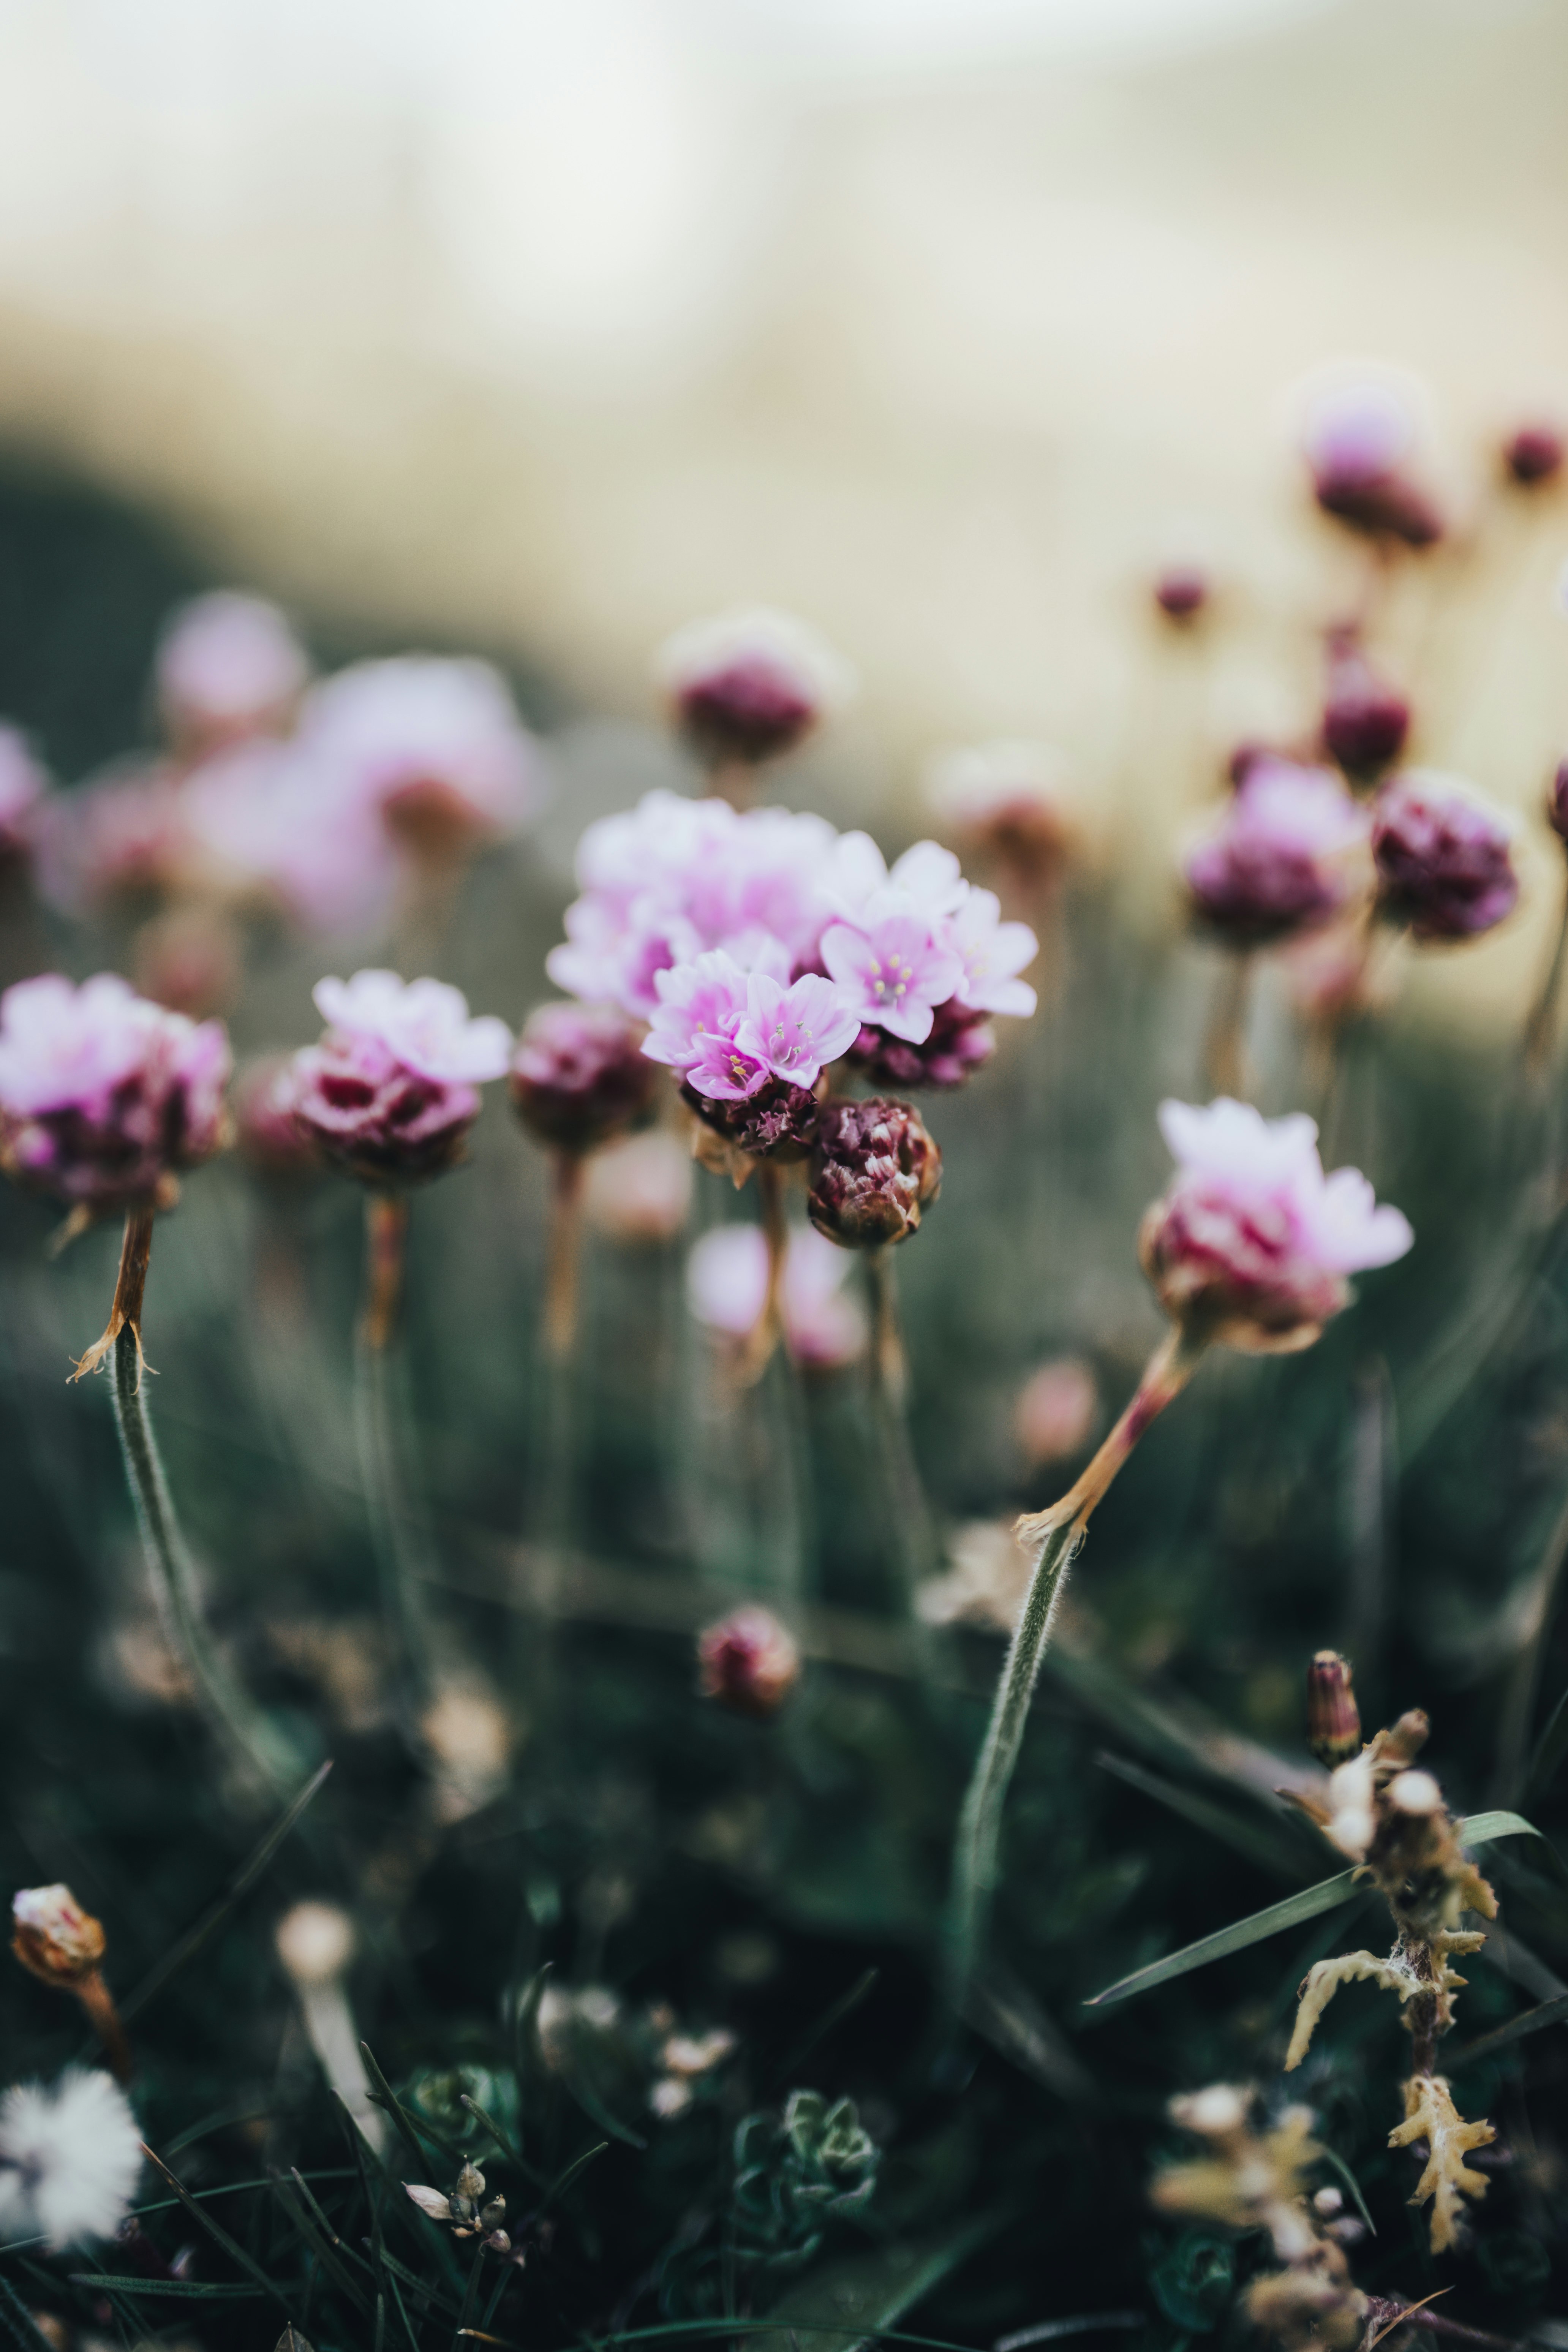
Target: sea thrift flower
750	685
748	1660
22	787
1007	797
69	2159
104	1096
1182	592
1365	719
1252	1244
579	1076
1281	859
1443	856
228	666
894	966
436	747
1533	454
1334	1719
391	1090
121	837
874	1171
961	1041
727	1288
63	1946
267	817
190	960
1357	442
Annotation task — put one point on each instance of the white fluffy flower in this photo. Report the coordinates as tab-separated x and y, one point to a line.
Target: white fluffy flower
69	2158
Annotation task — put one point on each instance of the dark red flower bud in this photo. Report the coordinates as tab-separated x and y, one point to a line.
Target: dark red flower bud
579	1076
1334	1719
1181	591
778	1122
874	1170
1365	719
1443	856
1533	454
749	1661
961	1040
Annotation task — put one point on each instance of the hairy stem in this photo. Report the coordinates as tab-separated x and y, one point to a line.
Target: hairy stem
1056	1536
399	1555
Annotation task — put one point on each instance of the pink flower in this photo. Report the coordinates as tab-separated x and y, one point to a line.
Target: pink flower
1009	796
103	1095
1443	856
391	1090
264	815
700	1004
266	1122
126	833
1252	1242
579	1076
750	685
795	1032
1281	859
961	1042
22	787
1357	441
726	1288
749	1661
1533	454
435	746
641	1190
991	953
1365	719
892	965
228	666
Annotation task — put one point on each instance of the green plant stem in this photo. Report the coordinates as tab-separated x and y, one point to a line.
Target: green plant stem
1058	1533
265	1756
1224	1049
1541	1029
399	1557
914	1532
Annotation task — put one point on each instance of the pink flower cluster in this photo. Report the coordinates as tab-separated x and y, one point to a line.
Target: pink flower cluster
1443	856
390	1093
726	1288
760	946
1252	1243
1284	856
1358	442
104	1096
228	666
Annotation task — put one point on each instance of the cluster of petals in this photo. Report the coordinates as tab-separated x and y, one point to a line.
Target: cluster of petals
122	834
1287	854
104	1096
228	666
751	684
1358	440
1443	856
705	922
1252	1242
70	2158
579	1076
727	1282
393	1089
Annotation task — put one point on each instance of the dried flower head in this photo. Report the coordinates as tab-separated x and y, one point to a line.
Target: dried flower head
390	1093
1285	856
579	1076
1252	1242
228	666
748	1660
873	1173
1443	856
750	685
103	1095
69	2159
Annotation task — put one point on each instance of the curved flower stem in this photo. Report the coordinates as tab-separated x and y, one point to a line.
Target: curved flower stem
98	2002
1053	1536
568	1171
764	1336
264	1755
1541	1029
1225	1059
399	1555
558	1368
915	1533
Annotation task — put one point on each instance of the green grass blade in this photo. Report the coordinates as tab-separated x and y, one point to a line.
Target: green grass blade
1327	1895
871	2291
18	2321
1531	2021
220	2236
1484	1829
1352	2183
196	2290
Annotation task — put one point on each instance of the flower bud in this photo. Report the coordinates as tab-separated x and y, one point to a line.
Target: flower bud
874	1171
1357	442
1533	454
778	1122
1334	1719
55	1939
749	1661
1557	801
492	2215
470	2182
961	1041
1182	592
1443	856
1008	797
579	1076
751	686
1365	719
1282	858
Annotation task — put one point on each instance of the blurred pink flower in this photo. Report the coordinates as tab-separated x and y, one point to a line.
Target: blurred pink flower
22	787
1365	719
1443	856
749	1661
641	1190
1252	1242
268	1130
1057	1408
103	1095
264	815
579	1076
391	1090
750	685
726	1288
425	1024
1357	441
122	834
1007	795
1283	856
435	747
228	666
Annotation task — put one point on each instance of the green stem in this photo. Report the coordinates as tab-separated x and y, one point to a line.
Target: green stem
400	1558
265	1755
914	1530
1058	1533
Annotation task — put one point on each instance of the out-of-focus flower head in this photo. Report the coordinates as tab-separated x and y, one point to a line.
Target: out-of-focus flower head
104	1096
1057	1408
1533	454
390	1093
726	1288
1443	856
315	1942
435	747
55	1939
1283	858
120	836
1358	439
270	818
1182	592
1365	719
1007	797
579	1076
748	1660
1557	801
750	685
22	787
1252	1243
1333	1719
639	1190
228	666
70	2158
874	1171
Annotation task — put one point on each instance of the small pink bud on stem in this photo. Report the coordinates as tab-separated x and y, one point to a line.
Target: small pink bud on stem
749	1661
62	1945
1334	1719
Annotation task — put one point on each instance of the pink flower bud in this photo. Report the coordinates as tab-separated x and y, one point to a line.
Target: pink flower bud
777	1122
104	1096
961	1041
579	1076
1007	797
1443	856
750	685
1283	858
748	1660
53	1937
390	1093
1334	1719
1365	719
873	1172
1252	1243
1057	1408
1182	592
1533	454
1357	442
228	666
